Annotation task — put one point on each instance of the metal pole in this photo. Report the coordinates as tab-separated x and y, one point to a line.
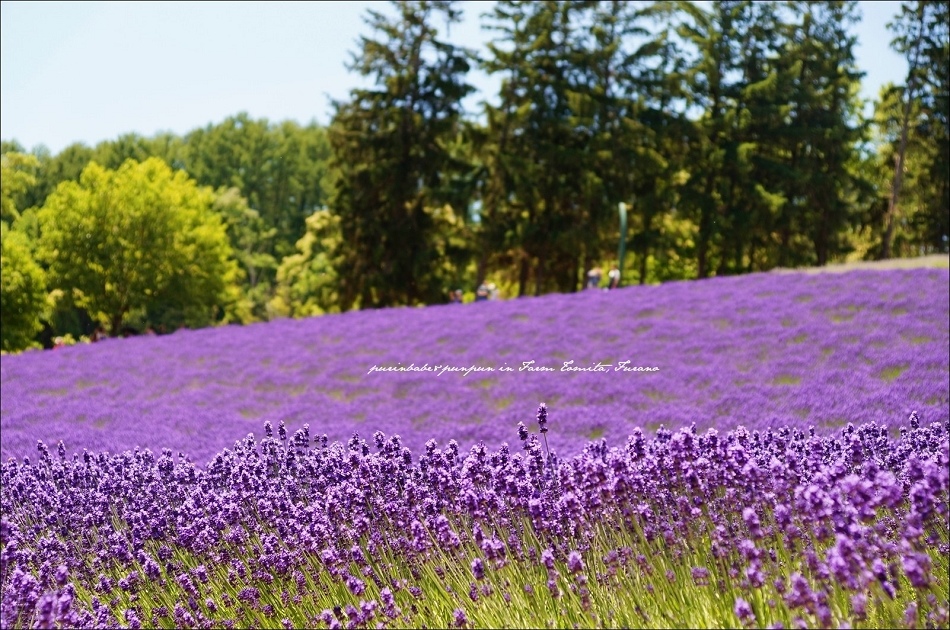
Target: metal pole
622	248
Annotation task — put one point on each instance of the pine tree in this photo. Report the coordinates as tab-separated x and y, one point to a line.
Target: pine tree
392	161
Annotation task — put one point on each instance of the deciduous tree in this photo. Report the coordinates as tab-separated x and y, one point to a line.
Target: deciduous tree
139	241
22	293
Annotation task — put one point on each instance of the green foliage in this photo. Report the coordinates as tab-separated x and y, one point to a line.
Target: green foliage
139	242
251	240
905	239
772	172
574	134
307	280
66	165
278	168
22	293
18	176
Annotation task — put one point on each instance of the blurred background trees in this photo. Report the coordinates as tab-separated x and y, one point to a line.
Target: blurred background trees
734	136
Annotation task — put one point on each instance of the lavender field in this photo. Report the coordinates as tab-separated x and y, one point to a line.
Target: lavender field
787	465
761	351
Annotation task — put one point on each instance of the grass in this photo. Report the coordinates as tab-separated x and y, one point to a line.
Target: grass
891	373
934	261
787	380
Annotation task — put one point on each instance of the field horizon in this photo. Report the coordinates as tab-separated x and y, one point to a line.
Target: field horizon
760	351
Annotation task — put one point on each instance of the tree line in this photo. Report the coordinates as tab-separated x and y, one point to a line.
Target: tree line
733	137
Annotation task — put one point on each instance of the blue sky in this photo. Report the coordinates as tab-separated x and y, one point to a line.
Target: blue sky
91	71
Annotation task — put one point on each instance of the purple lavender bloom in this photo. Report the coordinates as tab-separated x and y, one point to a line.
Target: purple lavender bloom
754	574
368	610
249	595
700	576
814	321
132	618
744	612
201	572
575	564
800	593
459	620
543	418
330	619
910	615
355	585
859	602
751	519
478	568
917	566
889	589
522	432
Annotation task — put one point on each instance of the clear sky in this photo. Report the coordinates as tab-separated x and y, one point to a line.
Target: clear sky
91	71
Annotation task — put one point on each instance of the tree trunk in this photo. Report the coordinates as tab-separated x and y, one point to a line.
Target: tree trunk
643	266
645	250
821	242
538	276
115	326
704	236
523	275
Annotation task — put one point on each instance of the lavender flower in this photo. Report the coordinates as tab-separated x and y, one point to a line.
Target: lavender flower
522	432
574	562
478	568
543	418
459	620
744	612
355	585
917	566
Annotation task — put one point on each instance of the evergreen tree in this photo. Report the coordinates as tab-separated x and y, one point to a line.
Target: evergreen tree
393	164
922	35
712	88
822	132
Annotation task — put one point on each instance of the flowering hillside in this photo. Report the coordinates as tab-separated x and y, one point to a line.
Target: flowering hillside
764	350
829	508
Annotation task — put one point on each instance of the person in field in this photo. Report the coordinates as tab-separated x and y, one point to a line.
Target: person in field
614	276
593	278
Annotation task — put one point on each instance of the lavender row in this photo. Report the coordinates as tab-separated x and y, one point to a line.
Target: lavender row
787	527
764	350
